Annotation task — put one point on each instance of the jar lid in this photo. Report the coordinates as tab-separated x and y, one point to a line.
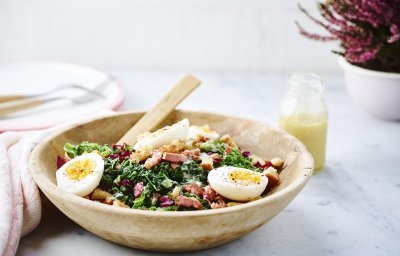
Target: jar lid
306	80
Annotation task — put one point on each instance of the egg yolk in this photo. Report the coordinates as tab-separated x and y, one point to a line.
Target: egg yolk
79	169
244	177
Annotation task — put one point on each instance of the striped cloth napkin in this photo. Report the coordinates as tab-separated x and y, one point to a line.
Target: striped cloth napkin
21	207
21	210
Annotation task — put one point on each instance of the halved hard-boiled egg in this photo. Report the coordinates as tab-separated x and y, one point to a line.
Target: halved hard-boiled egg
163	136
238	184
81	175
204	131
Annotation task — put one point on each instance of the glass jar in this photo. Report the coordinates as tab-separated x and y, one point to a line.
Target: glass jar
303	113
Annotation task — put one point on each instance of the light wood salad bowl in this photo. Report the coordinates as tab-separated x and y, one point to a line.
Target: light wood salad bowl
175	231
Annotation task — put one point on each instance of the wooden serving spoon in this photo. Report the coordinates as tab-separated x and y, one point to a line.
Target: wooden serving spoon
162	110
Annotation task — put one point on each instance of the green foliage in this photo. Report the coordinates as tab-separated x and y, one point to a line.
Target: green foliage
236	159
87	147
213	146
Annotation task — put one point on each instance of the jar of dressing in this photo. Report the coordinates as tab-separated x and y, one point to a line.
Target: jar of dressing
304	114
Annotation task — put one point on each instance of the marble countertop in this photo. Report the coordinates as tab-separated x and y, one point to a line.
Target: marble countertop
352	207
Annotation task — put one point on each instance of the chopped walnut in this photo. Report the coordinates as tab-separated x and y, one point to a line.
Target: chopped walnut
99	194
227	139
176	146
119	204
141	155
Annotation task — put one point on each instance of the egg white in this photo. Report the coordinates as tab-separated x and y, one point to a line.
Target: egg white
196	131
163	136
235	190
86	185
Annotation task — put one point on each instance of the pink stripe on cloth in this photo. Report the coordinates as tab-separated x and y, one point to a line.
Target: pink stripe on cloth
21	210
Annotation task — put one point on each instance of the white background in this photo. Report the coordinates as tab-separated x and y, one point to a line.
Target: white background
206	35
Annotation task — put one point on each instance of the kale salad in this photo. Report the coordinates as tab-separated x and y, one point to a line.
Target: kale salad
177	168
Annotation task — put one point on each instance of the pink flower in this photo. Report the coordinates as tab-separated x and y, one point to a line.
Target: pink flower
364	28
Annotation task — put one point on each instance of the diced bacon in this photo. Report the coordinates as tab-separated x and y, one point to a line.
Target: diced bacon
194	189
228	150
138	189
219	203
273	177
273	180
174	158
153	160
194	153
209	194
188	202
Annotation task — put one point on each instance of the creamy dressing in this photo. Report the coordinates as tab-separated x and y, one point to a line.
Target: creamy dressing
311	130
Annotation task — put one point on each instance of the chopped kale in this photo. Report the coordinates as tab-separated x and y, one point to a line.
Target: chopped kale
213	147
87	147
236	159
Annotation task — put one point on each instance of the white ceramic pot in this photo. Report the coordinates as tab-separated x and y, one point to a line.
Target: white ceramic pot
377	92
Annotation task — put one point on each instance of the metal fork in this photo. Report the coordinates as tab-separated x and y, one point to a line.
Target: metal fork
30	101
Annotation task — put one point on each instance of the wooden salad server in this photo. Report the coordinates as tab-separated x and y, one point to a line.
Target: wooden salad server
162	110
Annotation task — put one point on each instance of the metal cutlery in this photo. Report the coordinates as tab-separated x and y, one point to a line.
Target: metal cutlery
14	103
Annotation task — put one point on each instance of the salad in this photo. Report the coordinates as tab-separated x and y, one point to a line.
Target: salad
176	168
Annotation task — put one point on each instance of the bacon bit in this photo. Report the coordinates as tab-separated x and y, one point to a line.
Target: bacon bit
228	150
153	160
194	189
138	189
60	162
194	153
188	202
220	202
273	180
174	158
209	194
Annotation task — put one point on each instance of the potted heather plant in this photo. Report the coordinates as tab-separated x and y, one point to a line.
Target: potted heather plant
369	36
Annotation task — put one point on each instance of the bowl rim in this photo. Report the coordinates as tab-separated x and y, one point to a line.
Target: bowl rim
42	181
367	72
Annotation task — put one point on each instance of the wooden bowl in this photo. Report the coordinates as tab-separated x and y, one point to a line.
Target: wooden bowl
175	231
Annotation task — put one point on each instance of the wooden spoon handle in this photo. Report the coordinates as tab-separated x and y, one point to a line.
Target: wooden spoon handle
162	110
5	98
7	108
